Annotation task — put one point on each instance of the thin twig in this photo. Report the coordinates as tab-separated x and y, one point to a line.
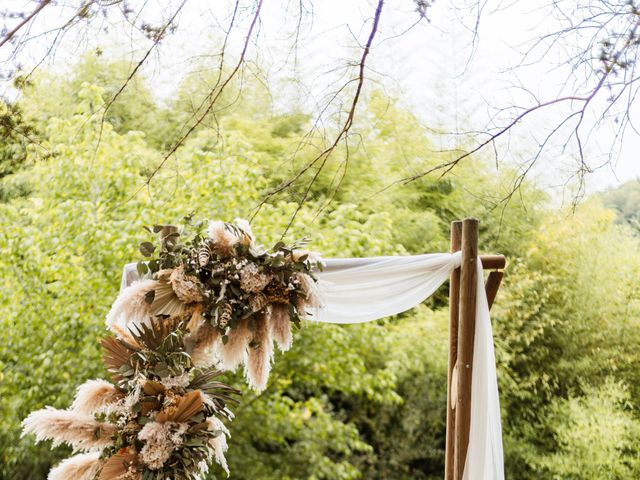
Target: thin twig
26	20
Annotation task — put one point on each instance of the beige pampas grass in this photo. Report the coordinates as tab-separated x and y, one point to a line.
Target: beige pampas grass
84	466
94	396
224	240
130	306
219	443
312	294
203	354
258	364
232	354
79	430
281	327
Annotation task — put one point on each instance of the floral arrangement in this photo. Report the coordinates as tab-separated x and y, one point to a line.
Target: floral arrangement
201	306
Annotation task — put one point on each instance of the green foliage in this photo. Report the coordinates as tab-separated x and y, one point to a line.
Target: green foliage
625	200
362	401
597	436
565	326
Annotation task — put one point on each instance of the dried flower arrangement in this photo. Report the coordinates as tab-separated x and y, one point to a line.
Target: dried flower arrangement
202	307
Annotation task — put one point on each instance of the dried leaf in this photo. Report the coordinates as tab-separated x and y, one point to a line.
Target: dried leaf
118	465
186	408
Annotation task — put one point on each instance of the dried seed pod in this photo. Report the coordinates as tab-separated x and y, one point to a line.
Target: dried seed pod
226	314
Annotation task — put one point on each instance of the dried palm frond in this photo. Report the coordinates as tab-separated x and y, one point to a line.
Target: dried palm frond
84	466
185	408
165	301
233	352
152	335
217	393
281	326
79	430
259	356
95	395
152	387
122	465
116	353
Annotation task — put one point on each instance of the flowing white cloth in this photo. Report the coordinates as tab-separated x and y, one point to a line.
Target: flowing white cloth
356	290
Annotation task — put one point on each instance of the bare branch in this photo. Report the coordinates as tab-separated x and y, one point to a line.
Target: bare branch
322	158
9	35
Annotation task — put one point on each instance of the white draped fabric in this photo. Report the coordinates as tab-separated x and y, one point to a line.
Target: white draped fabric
356	290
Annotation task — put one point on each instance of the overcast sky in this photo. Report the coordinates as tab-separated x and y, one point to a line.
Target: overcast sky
433	68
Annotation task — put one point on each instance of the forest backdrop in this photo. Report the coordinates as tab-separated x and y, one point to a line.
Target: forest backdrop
362	401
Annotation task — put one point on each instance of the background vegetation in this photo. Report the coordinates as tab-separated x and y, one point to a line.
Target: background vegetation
364	401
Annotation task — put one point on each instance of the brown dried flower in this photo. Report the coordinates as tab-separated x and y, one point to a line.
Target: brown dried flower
187	287
252	280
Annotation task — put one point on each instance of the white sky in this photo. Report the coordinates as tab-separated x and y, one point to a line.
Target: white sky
426	68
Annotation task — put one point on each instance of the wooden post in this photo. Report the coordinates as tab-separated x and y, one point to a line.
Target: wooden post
454	291
466	329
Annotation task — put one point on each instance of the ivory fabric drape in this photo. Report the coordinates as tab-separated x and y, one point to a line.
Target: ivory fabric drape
356	290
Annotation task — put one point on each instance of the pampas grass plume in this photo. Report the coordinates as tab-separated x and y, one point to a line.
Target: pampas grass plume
219	443
95	395
66	426
203	354
223	239
84	466
281	327
258	363
232	354
130	306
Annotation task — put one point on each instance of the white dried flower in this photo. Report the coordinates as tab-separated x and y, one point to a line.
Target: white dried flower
177	381
161	439
313	257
